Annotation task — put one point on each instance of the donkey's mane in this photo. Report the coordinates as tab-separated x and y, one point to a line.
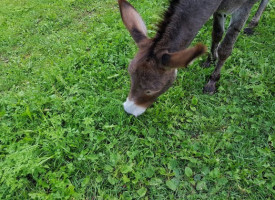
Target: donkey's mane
162	25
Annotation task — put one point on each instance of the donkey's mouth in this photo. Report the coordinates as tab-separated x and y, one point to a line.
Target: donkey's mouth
131	108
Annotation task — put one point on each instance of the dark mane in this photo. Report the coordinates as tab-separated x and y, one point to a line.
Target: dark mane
161	27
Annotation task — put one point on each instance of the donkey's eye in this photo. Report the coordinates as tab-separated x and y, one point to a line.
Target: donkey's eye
150	92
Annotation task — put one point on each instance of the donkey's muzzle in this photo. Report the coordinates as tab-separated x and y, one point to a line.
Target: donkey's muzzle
131	108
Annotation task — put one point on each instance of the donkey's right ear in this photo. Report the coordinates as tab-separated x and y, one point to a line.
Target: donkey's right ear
132	21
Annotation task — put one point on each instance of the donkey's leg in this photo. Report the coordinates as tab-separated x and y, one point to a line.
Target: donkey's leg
238	20
217	33
254	22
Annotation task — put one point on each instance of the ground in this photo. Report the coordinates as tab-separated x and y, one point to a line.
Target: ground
64	133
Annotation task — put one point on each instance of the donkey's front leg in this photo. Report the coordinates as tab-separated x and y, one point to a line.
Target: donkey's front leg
217	33
254	22
238	20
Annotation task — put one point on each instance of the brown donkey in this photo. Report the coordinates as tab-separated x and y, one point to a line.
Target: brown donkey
154	68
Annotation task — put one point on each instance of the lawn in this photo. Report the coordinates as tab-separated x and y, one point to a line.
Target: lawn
64	133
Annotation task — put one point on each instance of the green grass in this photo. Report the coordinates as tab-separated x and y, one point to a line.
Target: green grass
64	133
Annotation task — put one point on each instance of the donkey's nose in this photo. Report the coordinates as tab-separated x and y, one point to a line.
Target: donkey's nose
133	109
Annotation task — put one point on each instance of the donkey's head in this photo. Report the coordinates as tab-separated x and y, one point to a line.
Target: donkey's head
152	72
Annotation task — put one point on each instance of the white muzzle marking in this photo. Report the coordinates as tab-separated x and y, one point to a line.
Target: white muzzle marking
133	109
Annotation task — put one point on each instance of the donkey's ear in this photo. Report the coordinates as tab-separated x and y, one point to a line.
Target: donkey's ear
184	57
132	21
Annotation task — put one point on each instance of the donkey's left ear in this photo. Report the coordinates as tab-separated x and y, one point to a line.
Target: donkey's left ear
184	57
132	21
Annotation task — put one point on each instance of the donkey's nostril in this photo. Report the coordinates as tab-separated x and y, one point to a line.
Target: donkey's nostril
133	109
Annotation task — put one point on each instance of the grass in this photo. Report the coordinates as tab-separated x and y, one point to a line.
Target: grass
65	135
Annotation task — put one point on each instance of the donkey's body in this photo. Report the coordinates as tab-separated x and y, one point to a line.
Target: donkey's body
153	69
187	19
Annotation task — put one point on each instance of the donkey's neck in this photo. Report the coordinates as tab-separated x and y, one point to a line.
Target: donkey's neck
181	23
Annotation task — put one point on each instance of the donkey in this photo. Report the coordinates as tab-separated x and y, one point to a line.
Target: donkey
154	68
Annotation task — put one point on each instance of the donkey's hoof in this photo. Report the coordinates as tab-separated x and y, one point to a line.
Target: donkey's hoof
206	64
248	31
210	88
